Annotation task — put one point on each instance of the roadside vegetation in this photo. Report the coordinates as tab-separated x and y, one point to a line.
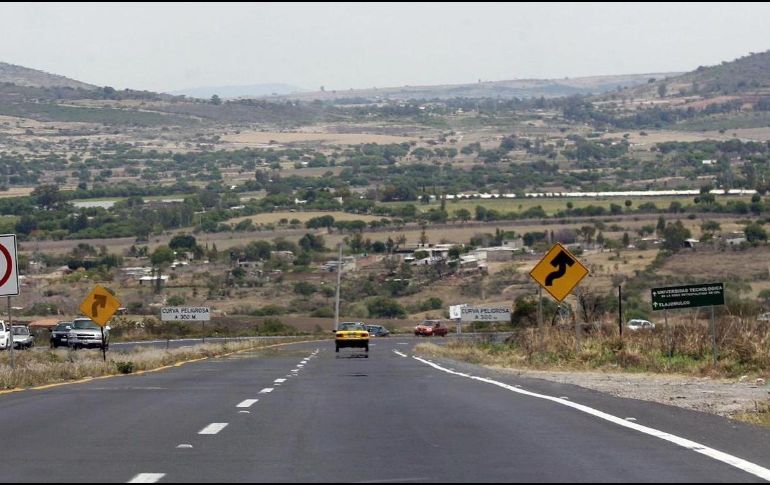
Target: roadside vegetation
685	348
56	366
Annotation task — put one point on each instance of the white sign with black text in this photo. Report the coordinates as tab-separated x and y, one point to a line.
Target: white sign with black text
492	314
189	314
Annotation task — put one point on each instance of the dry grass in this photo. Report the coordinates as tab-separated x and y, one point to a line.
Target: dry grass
744	349
41	368
256	138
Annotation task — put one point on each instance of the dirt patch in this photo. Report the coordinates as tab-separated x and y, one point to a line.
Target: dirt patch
718	396
708	264
260	138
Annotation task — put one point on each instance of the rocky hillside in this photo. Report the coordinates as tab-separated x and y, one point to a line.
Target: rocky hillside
23	76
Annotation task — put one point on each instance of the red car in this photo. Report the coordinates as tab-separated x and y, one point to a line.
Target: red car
429	328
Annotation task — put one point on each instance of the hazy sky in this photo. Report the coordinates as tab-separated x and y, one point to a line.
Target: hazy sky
174	46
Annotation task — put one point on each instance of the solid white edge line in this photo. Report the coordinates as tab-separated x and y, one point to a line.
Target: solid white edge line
731	460
147	478
247	403
399	353
213	428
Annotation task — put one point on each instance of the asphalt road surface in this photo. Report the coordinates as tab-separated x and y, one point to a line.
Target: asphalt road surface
301	413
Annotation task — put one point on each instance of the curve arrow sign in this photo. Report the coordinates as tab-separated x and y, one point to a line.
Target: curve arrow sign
562	261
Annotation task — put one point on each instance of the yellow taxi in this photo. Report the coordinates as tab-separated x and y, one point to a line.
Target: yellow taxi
351	335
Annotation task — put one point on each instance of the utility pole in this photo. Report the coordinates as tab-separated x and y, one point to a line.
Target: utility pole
337	299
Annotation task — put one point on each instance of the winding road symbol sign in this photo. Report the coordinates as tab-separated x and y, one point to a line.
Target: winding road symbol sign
559	272
9	270
100	305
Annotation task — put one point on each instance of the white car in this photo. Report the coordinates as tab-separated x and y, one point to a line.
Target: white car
5	336
639	324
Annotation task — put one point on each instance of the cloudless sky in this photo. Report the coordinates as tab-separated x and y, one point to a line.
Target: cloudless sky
166	47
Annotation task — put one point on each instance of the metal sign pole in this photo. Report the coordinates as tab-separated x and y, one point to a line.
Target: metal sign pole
668	332
540	307
10	328
714	336
620	310
104	346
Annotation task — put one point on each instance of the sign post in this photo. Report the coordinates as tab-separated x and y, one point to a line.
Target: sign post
559	272
9	280
100	306
692	296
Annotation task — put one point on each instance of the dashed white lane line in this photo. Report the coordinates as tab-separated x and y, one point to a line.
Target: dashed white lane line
266	390
247	403
295	370
279	381
734	461
399	353
185	446
213	428
147	478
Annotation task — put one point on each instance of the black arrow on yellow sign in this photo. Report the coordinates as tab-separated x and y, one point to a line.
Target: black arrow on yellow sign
561	261
100	301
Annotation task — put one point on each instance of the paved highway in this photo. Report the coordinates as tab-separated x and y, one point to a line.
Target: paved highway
301	413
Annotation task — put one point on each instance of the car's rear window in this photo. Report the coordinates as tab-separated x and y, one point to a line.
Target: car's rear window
62	327
351	326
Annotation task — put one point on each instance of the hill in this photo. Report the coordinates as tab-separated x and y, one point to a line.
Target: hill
518	88
24	76
229	92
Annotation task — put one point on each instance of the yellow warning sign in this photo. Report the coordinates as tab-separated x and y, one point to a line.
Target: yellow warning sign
100	305
559	272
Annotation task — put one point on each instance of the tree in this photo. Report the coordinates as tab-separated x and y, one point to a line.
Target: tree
47	196
311	242
755	233
463	214
626	240
216	100
674	236
384	307
183	242
662	88
160	259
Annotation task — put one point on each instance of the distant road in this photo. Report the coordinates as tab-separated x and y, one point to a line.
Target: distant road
306	414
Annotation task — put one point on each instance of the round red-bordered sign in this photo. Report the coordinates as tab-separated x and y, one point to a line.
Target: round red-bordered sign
8	265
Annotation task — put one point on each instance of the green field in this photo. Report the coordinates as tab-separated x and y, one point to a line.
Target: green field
553	205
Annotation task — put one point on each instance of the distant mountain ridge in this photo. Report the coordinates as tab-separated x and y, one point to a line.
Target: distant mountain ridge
24	76
230	92
520	88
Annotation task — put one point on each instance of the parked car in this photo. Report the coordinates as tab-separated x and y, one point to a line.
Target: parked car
22	337
5	336
86	333
60	335
429	328
351	335
639	324
377	330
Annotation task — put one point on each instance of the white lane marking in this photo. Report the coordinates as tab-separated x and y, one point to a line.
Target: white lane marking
213	428
185	446
244	412
717	455
147	478
630	419
247	403
279	381
266	390
399	353
402	343
295	370
299	366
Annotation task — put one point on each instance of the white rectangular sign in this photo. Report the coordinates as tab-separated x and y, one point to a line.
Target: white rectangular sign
496	314
455	311
9	269
190	314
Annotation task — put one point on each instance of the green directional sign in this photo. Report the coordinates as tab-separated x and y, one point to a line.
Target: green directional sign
692	296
